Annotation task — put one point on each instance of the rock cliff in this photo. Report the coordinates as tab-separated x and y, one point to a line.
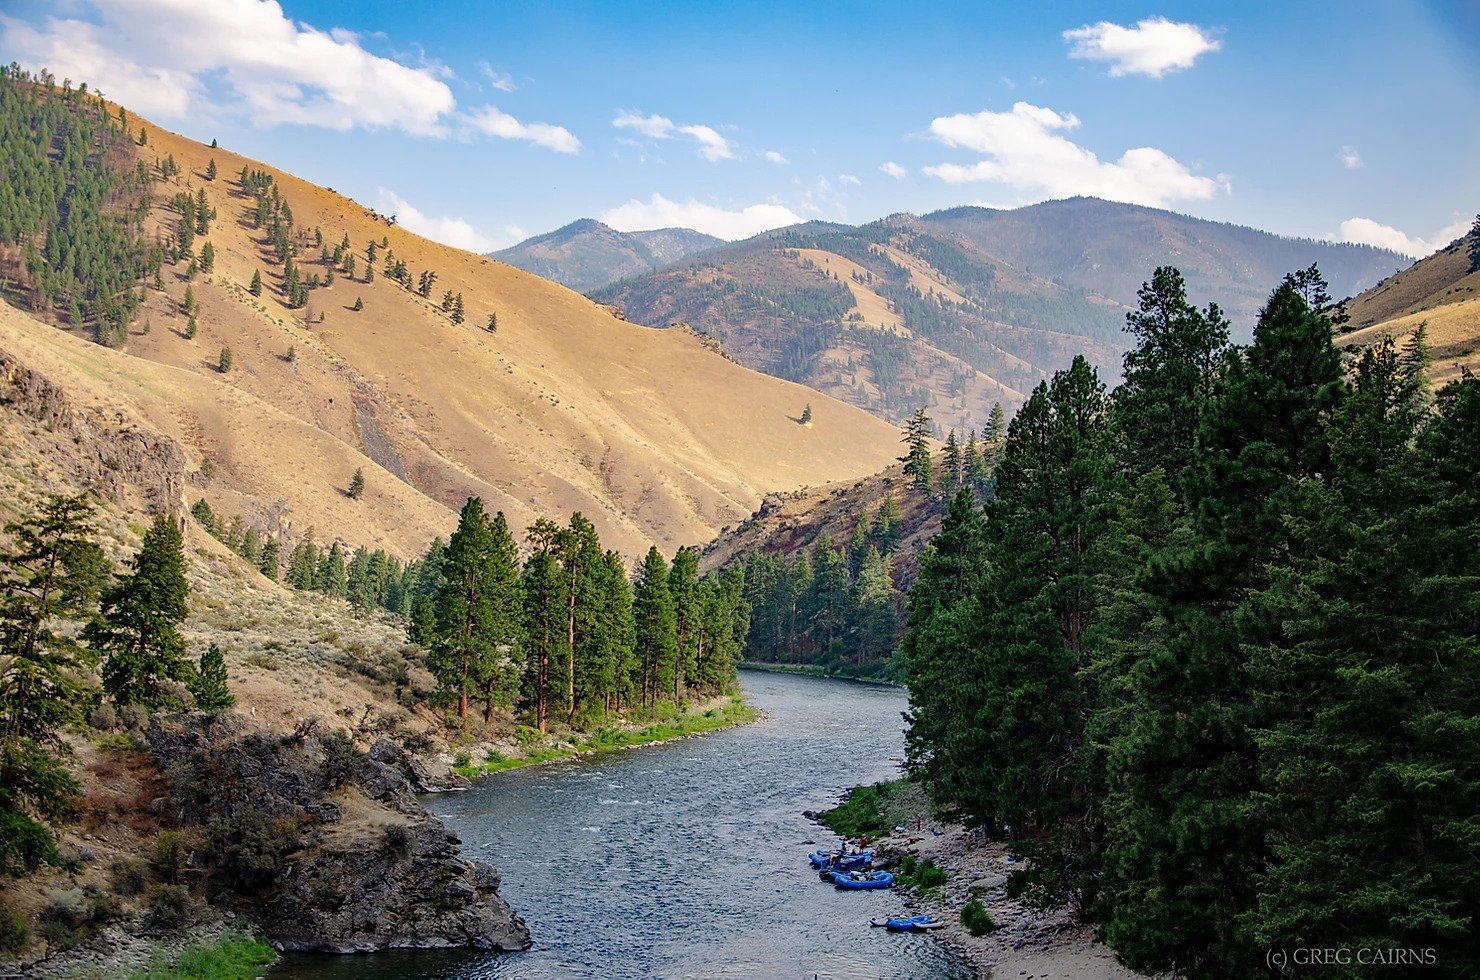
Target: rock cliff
324	846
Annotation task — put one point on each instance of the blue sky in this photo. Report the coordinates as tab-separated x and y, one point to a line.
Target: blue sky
482	123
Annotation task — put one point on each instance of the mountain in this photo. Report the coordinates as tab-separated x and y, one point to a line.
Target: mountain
962	309
1440	293
1110	249
651	434
587	255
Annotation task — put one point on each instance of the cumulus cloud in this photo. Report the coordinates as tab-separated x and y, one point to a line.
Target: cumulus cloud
165	57
660	212
777	158
500	80
849	179
1350	158
1365	231
1153	47
1025	150
456	232
893	169
494	122
712	146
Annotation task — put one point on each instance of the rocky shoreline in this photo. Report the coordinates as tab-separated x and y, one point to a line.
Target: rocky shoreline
1027	942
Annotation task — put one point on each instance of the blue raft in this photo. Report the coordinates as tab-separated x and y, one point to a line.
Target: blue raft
859	880
840	861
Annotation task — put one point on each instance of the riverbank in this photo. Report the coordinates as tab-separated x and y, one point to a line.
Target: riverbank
815	670
1025	942
695	720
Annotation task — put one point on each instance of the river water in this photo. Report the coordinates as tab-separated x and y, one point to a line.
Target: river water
686	859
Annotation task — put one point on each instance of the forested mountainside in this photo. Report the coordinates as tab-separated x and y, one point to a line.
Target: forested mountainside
964	309
286	337
587	255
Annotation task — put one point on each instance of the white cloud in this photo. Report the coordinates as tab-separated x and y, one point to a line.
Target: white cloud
893	169
449	231
1350	158
712	146
500	80
850	179
494	122
1025	151
1153	47
164	56
1365	231
777	158
660	212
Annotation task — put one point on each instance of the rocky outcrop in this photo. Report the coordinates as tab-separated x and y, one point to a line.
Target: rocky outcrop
324	847
102	452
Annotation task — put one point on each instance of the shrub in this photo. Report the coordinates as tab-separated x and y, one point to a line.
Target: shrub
15	935
134	717
65	907
58	935
171	907
128	876
103	717
104	908
250	847
976	918
929	875
340	756
169	856
462	760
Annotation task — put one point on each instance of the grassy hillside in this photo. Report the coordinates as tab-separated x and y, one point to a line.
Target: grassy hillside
587	255
651	434
1439	293
884	316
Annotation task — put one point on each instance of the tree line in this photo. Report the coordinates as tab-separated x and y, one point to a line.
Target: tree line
564	634
73	634
1211	656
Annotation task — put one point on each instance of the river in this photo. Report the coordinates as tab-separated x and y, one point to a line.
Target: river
686	859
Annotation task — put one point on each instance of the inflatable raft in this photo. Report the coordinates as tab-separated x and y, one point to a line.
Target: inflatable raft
858	880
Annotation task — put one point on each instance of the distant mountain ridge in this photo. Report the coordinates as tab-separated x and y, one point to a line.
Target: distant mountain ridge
961	309
587	255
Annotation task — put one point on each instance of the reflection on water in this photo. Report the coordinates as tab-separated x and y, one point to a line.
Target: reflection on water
685	860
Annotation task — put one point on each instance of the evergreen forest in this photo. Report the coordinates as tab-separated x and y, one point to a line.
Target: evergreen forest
1210	658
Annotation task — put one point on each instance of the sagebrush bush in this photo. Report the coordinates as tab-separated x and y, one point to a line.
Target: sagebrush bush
128	875
103	717
171	907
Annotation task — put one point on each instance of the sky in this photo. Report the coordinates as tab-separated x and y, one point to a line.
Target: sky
482	123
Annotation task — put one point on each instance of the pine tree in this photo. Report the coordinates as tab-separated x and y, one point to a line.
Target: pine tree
137	630
211	169
51	572
224	363
459	313
1183	847
492	323
1169	375
357	484
359	304
546	641
657	627
467	608
329	575
207	257
807	414
256	288
191	328
917	458
208	683
951	460
268	564
203	515
498	671
683	587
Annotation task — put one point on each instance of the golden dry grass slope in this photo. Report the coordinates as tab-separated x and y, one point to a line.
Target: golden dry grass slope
1439	293
651	434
